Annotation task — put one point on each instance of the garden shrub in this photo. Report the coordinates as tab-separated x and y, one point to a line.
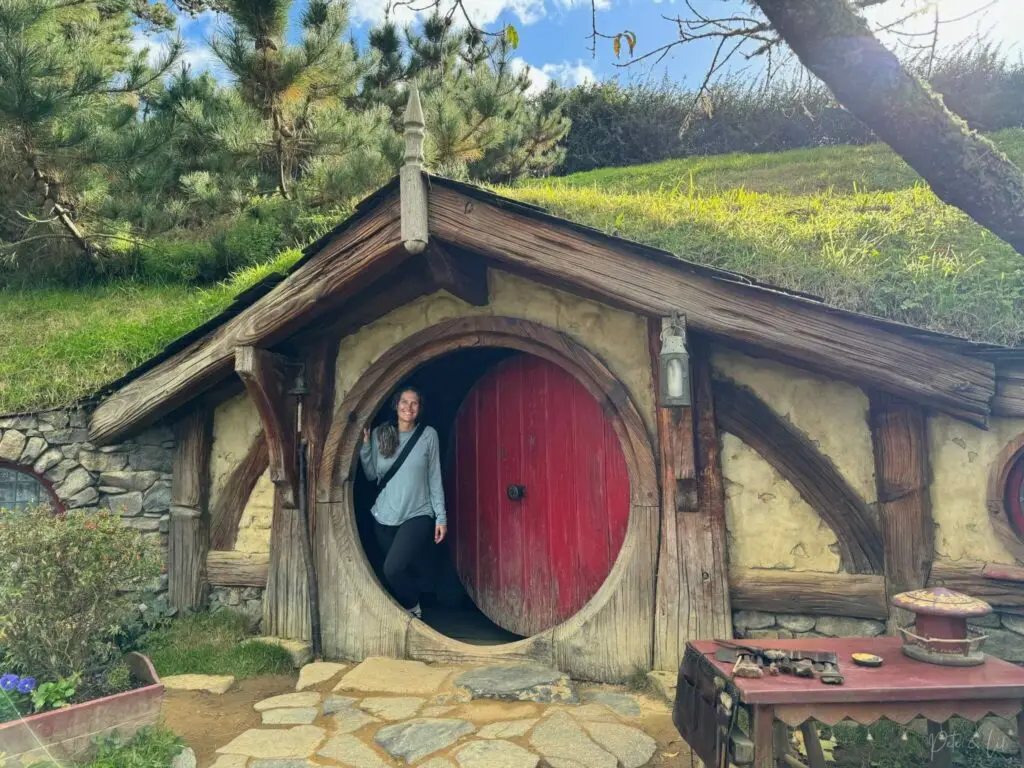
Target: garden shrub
248	240
67	583
178	261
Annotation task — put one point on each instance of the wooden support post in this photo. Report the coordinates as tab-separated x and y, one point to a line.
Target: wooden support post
692	592
898	432
188	541
267	378
286	601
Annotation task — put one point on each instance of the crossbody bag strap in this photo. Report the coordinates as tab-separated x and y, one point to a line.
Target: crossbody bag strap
402	456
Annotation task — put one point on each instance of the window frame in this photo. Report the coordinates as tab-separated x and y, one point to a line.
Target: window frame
54	501
1012	495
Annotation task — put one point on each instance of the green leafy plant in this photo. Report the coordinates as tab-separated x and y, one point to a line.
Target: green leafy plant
149	748
67	583
54	695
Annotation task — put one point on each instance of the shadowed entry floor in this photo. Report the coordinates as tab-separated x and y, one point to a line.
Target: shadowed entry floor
447	607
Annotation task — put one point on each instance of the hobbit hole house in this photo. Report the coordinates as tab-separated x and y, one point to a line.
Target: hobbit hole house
817	462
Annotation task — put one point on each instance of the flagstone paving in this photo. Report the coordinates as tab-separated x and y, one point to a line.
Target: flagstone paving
384	713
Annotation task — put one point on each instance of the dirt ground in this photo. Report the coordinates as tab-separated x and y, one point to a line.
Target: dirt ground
206	722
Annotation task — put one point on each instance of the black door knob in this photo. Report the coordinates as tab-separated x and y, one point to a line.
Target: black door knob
516	492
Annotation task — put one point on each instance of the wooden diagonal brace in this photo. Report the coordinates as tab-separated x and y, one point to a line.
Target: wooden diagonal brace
267	378
462	275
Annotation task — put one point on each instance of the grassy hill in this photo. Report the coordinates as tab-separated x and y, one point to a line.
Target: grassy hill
853	225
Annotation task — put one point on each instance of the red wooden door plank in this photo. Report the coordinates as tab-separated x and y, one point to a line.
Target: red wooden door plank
537	560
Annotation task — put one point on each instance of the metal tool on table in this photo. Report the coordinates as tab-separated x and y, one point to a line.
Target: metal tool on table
751	662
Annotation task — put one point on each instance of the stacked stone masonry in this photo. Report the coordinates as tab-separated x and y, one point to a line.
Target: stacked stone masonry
1005	632
245	600
132	478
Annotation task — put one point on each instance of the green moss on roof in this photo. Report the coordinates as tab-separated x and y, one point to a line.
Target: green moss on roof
853	225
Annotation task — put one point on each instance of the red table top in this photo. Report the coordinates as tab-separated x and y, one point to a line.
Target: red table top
900	678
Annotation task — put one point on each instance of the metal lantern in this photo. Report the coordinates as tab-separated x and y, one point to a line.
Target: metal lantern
674	363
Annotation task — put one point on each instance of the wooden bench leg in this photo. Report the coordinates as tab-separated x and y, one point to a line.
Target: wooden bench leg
815	755
764	753
781	743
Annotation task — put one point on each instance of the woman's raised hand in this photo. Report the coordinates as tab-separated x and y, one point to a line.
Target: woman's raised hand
366	434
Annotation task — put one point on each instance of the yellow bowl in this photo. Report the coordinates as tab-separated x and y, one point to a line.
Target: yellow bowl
866	660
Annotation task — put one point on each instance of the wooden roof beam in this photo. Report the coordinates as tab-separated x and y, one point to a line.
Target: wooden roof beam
354	259
808	334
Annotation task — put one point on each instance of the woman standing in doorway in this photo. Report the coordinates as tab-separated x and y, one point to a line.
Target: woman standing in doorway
403	458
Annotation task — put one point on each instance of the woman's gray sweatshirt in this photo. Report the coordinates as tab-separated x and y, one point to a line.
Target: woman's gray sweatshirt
415	488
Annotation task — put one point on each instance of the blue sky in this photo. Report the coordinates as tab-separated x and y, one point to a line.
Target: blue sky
554	43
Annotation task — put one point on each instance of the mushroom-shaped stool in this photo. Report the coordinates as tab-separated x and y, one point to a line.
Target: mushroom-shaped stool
940	633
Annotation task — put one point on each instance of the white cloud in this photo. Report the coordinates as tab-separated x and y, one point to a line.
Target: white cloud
482	12
569	74
566	74
1001	21
601	5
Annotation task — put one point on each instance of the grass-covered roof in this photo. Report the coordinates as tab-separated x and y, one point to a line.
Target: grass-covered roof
853	225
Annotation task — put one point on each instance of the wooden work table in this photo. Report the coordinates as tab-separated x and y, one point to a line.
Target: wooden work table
900	690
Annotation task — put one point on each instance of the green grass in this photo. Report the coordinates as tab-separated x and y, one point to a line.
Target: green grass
853	225
213	644
150	748
896	253
58	345
888	748
841	169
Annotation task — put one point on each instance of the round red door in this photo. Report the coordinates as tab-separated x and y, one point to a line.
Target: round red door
538	494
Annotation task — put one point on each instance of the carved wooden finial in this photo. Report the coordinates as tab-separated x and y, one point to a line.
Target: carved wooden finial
414	129
413	185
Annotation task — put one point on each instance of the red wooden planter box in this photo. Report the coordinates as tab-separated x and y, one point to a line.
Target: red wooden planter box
69	733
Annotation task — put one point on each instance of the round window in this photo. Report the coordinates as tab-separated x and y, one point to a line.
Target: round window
1015	496
19	490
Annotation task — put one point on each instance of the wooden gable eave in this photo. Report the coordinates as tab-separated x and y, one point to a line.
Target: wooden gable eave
362	252
839	344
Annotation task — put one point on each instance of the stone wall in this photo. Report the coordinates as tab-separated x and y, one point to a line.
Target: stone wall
1005	635
132	478
245	600
757	625
1005	631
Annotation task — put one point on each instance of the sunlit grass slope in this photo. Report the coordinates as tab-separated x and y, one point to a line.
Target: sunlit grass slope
852	225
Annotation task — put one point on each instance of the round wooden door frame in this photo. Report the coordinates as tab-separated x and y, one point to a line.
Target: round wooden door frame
337	472
999	476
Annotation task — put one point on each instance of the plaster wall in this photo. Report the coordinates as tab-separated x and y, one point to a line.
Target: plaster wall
619	338
962	457
236	423
254	524
832	414
769	524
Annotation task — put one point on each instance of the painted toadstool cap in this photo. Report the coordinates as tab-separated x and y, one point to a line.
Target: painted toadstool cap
939	601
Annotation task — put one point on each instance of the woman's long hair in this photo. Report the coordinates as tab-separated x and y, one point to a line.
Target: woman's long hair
387	435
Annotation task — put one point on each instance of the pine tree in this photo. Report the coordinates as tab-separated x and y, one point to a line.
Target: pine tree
70	89
295	123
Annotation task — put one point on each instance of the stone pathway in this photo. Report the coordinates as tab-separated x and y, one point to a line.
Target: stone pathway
383	713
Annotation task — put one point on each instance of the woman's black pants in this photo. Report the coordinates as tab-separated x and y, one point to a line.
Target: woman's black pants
406	550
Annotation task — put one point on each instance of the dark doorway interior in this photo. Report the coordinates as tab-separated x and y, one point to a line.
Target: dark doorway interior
447	607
